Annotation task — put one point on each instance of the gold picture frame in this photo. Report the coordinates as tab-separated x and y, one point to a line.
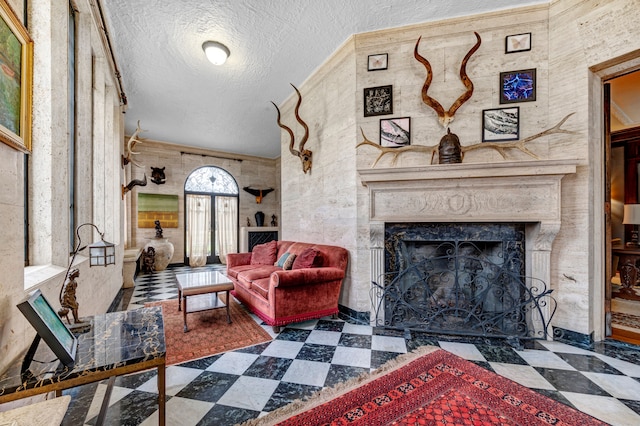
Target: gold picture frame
16	79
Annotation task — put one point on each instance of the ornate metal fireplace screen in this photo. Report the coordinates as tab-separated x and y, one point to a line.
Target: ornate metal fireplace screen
464	288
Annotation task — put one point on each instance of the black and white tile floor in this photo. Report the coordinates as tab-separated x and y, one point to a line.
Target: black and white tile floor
232	387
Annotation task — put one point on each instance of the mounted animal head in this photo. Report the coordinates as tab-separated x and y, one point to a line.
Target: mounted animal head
134	182
446	117
128	149
157	175
304	154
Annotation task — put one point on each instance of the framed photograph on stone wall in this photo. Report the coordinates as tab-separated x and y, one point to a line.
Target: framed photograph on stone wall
377	62
501	124
518	86
16	78
517	43
395	132
378	101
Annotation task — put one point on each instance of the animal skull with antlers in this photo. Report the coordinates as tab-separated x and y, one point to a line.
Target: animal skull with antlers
304	154
133	140
446	117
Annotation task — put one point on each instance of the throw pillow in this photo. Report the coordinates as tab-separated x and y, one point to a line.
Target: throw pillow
307	259
282	259
289	262
264	254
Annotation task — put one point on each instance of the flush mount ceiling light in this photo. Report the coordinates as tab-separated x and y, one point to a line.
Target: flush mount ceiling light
217	53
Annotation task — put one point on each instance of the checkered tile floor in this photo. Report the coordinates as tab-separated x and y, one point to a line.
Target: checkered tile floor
229	388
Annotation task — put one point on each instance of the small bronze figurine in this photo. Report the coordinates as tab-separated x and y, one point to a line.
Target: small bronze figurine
158	229
149	260
274	221
449	150
68	301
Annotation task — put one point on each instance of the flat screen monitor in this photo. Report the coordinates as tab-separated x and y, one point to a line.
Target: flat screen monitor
50	327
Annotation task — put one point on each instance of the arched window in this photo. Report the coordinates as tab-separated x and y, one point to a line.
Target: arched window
211	216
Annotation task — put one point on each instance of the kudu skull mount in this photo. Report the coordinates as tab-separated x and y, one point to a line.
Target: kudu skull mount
303	154
446	117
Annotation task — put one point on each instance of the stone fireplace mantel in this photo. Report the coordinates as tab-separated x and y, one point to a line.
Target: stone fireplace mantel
523	191
526	192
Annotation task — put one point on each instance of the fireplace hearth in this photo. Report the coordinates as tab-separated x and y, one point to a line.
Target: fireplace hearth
459	278
527	193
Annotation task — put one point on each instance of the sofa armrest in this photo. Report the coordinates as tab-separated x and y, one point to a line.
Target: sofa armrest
306	276
235	259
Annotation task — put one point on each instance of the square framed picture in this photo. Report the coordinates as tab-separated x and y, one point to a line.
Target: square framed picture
377	62
517	43
518	86
16	80
501	124
378	101
395	132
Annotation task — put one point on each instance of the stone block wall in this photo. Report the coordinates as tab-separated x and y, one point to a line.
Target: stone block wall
575	45
179	163
98	134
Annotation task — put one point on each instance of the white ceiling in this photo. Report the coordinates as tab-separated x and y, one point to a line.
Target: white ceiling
180	97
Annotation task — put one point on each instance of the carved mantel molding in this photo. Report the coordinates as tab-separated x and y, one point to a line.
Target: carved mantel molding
523	191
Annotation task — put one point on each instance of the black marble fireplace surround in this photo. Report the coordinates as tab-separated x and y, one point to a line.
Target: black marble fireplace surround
460	279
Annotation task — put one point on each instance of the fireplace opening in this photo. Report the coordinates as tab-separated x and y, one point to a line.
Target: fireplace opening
459	278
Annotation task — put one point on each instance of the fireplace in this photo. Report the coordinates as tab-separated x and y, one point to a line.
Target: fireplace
457	278
522	198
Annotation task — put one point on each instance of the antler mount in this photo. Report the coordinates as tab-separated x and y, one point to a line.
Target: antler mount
305	155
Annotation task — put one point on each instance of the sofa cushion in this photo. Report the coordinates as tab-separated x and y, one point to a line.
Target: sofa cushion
309	258
282	259
288	264
264	254
261	287
235	270
257	272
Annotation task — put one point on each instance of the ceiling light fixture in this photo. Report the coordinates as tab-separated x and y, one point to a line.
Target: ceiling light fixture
217	53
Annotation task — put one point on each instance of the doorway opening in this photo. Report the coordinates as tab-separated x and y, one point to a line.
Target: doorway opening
623	173
211	200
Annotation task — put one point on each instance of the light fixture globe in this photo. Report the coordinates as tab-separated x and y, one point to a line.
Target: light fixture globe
217	53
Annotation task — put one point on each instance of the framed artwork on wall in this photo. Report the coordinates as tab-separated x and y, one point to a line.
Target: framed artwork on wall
518	86
377	62
16	78
395	132
501	124
162	207
378	101
517	43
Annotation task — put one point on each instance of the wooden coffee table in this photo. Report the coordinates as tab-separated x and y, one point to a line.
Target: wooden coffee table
206	286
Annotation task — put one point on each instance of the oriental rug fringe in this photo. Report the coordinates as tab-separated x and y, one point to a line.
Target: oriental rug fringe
209	333
426	387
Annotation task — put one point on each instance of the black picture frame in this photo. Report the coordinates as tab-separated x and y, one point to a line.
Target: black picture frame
49	326
377	62
518	86
395	132
501	124
517	43
378	101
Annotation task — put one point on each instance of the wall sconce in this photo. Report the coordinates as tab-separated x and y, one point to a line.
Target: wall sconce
632	217
101	253
217	53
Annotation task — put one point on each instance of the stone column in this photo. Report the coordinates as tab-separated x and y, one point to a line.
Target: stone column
376	246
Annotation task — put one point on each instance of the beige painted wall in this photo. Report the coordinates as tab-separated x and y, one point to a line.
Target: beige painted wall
568	38
179	163
99	137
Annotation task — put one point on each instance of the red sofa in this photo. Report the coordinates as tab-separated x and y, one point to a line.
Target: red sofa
279	296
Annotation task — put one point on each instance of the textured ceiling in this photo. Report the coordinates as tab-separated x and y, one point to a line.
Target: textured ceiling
180	97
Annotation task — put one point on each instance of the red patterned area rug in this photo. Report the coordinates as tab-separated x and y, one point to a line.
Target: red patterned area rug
427	387
209	333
